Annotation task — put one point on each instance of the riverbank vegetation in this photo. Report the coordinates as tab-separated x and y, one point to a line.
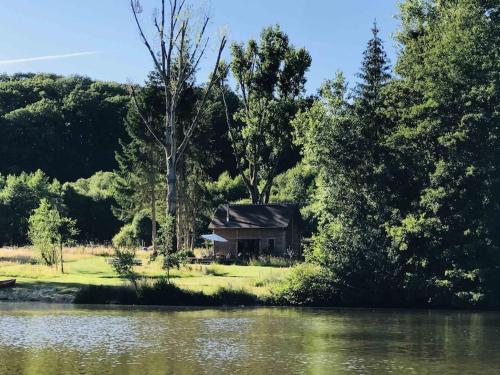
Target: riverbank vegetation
396	175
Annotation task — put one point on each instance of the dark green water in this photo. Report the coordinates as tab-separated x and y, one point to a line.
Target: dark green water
43	339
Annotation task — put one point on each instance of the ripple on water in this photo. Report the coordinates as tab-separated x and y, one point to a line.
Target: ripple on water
113	334
275	341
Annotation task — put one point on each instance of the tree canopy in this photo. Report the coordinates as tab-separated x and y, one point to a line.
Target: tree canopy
66	126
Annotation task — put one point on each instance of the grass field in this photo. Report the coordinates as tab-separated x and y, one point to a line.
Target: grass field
87	266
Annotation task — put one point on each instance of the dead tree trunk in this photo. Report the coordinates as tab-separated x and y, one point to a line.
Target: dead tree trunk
176	60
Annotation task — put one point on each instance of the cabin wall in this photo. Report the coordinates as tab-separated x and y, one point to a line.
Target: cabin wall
279	235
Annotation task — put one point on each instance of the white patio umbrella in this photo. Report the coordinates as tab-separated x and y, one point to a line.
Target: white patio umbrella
214	238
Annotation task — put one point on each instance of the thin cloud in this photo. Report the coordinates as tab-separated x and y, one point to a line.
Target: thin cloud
49	57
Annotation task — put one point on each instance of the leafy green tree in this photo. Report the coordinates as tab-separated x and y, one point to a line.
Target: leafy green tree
141	164
172	257
447	109
124	263
19	196
42	226
343	139
90	202
64	236
270	80
226	189
49	232
99	186
299	185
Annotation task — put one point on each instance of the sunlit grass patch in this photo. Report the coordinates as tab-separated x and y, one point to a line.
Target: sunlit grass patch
87	266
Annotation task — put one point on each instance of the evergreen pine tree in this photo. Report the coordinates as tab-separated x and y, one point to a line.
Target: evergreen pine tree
139	182
345	140
374	73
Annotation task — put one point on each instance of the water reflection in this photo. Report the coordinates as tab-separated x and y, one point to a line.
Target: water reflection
49	339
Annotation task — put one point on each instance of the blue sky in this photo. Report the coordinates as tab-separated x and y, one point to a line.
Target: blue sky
100	40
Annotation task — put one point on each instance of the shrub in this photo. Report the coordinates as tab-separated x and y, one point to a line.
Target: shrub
307	285
136	233
104	294
166	246
125	237
142	227
162	292
124	265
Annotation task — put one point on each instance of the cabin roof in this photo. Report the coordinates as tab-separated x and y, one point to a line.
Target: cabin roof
253	216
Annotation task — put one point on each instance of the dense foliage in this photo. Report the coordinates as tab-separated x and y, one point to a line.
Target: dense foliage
270	78
408	184
66	126
87	201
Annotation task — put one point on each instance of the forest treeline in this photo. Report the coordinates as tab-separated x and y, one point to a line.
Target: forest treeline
397	176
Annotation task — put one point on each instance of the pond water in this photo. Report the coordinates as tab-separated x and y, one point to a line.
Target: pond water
44	339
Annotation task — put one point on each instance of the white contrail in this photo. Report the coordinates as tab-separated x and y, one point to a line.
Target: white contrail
50	57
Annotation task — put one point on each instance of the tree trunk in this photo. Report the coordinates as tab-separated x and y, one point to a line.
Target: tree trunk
171	186
62	260
266	191
153	219
254	192
172	197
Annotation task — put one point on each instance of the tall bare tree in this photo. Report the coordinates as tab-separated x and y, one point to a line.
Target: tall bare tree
181	47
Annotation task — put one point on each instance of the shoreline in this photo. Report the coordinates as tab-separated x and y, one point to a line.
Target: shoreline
51	296
42	294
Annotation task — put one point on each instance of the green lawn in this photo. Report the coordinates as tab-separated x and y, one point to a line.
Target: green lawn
87	266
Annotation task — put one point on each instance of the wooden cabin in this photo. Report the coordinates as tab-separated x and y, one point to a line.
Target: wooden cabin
252	230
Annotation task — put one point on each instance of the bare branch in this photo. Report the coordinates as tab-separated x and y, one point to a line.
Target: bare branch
200	38
135	11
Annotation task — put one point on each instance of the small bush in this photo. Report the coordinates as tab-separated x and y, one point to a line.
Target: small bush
101	294
135	233
125	237
124	265
307	285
